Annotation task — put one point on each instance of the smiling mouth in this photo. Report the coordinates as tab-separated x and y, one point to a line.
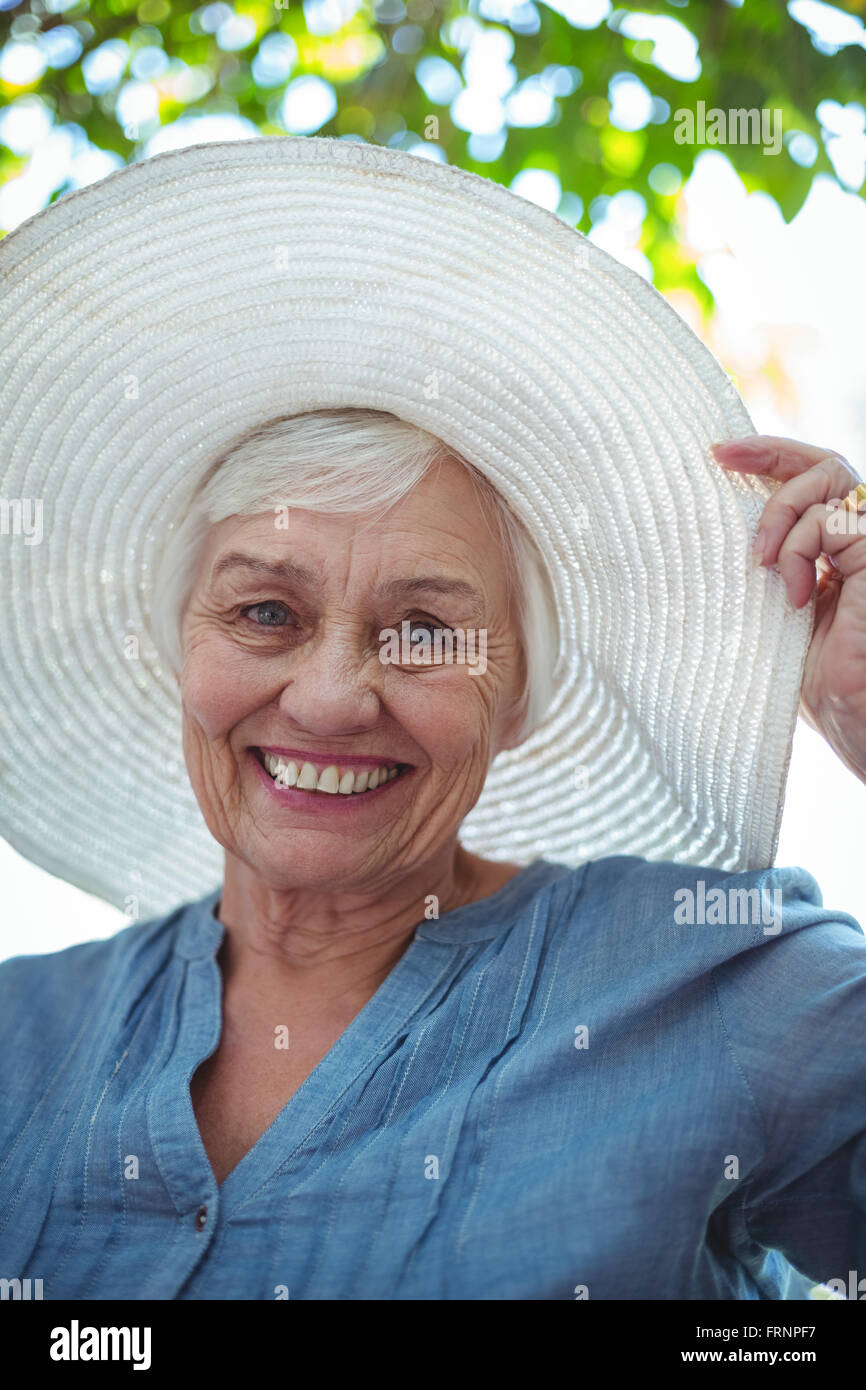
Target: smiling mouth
334	780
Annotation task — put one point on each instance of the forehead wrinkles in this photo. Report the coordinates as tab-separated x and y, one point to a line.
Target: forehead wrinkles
342	559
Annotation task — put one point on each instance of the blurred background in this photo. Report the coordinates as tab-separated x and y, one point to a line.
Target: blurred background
604	115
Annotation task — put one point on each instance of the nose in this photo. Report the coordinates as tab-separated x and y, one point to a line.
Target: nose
334	683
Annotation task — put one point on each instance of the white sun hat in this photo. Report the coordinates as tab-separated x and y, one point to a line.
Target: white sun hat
149	319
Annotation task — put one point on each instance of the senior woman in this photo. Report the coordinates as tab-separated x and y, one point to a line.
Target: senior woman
495	994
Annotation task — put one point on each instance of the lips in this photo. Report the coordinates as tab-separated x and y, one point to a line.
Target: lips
345	778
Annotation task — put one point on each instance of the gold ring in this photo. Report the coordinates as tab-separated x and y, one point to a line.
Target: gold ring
854	498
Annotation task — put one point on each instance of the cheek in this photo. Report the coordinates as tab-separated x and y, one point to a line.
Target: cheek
449	714
220	685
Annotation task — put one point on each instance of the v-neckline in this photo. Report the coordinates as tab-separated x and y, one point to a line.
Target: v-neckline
422	968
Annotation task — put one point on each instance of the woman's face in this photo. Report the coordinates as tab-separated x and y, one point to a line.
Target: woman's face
282	659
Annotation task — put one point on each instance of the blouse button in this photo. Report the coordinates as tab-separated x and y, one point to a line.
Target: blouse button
201	1218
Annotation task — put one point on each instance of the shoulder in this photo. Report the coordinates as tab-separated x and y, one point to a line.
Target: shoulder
634	913
778	900
50	995
755	955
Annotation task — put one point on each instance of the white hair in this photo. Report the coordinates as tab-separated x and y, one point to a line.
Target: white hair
350	461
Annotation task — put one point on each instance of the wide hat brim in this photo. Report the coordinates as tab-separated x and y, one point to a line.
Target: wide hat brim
151	318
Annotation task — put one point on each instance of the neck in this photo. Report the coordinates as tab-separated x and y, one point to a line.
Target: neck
302	931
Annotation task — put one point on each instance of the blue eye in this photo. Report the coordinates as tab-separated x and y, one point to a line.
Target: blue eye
432	628
431	642
271	613
432	625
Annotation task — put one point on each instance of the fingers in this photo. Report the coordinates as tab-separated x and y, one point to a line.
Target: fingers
802	522
821	530
828	480
774	456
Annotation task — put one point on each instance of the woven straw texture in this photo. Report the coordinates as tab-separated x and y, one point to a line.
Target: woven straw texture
149	319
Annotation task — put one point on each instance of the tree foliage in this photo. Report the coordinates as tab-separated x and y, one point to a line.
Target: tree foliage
753	55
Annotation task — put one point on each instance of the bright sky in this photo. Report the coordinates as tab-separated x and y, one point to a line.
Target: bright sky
791	305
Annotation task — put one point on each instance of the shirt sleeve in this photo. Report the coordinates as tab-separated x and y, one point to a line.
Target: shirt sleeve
794	1010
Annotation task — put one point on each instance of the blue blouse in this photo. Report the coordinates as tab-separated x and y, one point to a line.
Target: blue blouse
566	1090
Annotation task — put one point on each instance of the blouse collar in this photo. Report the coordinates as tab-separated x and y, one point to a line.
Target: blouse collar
201	933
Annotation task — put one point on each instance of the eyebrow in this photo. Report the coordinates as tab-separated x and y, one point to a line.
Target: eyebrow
435	584
394	588
276	569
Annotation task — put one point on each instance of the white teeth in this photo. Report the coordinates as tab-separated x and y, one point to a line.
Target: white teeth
329	780
309	779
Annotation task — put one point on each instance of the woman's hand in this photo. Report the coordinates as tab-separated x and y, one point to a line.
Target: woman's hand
814	545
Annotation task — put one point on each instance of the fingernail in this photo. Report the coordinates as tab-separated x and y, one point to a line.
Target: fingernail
734	447
758	547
